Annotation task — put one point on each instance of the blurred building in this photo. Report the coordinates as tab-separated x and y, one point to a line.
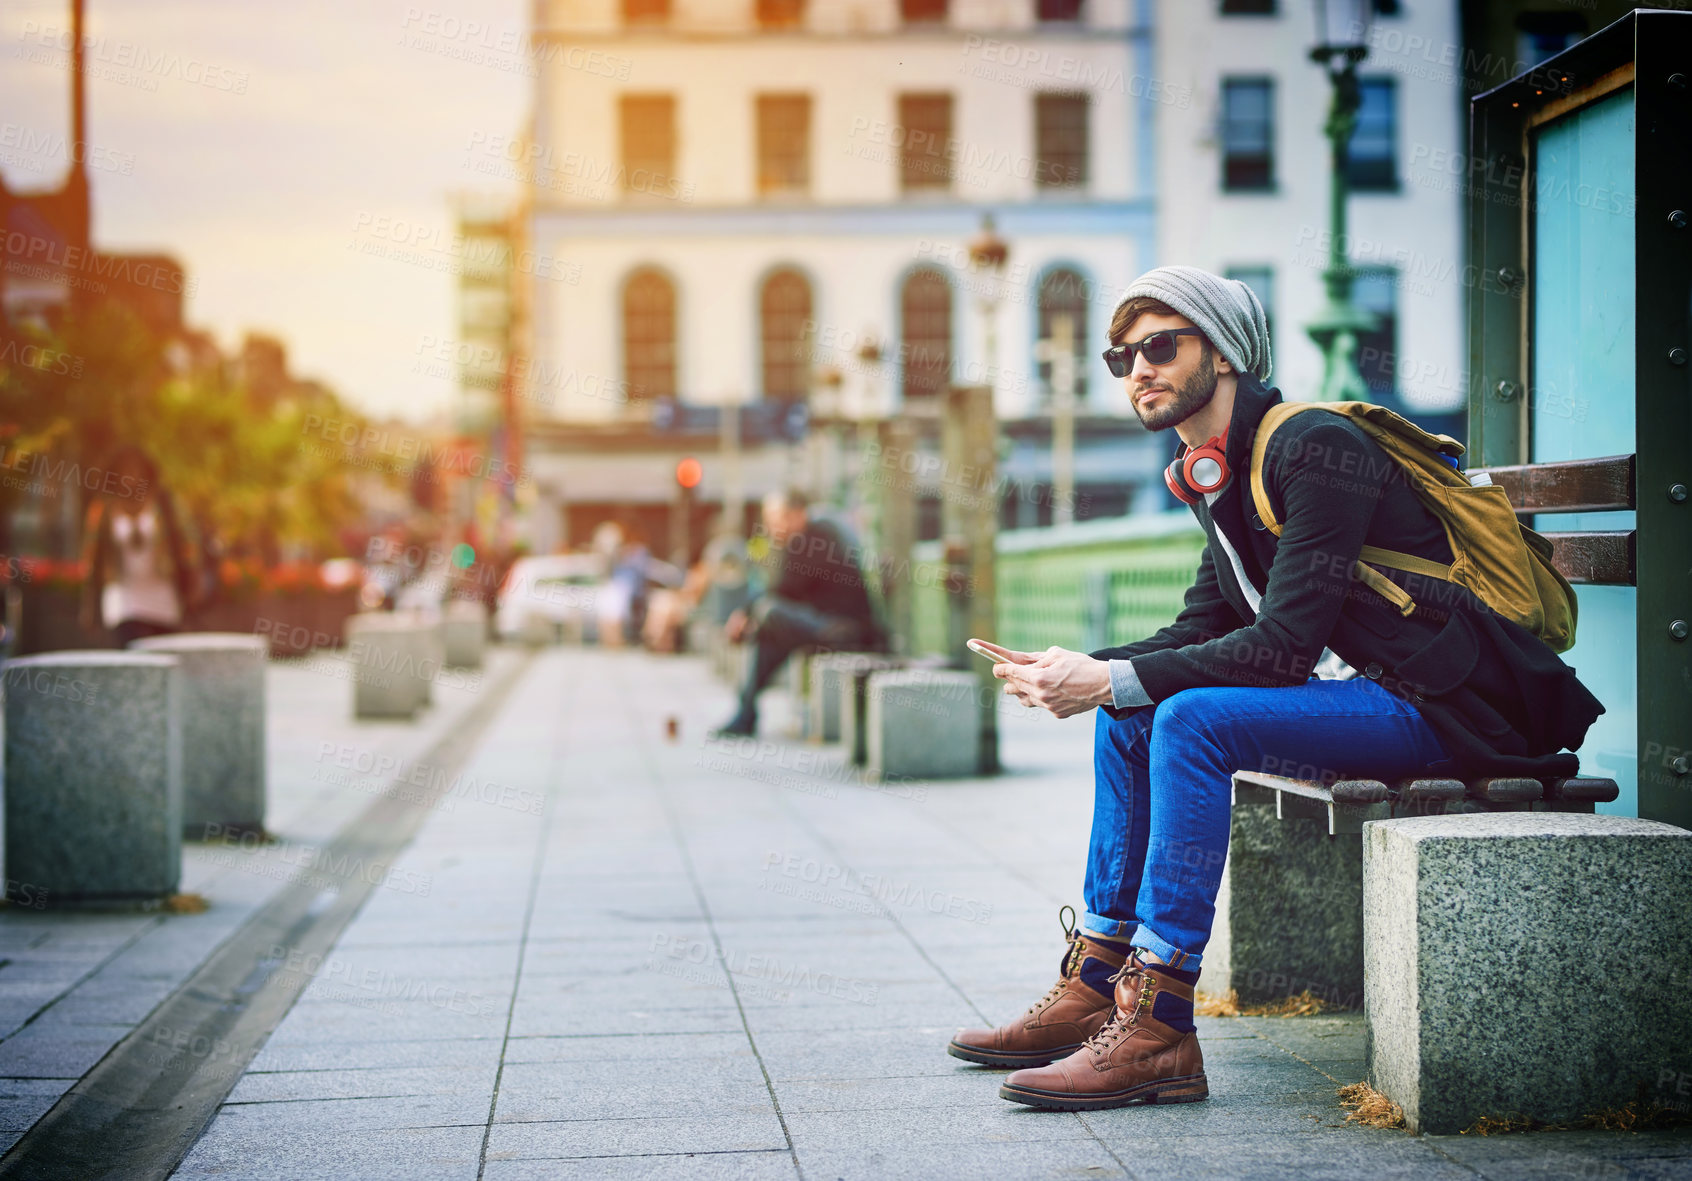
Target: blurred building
766	204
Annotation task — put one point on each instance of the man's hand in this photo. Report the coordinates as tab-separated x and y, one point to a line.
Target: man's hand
1063	682
736	627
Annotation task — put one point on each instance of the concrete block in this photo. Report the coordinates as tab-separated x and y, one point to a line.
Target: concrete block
464	633
1288	915
832	680
223	767
921	723
1525	962
389	654
539	630
94	775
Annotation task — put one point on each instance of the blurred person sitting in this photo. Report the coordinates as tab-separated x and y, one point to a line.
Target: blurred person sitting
816	599
139	579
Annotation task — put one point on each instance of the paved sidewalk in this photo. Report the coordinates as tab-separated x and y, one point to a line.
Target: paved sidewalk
610	955
736	960
74	983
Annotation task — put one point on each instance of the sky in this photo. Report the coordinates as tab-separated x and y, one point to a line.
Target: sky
257	140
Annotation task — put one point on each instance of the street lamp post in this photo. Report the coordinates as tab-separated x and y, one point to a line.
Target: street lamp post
988	254
1342	30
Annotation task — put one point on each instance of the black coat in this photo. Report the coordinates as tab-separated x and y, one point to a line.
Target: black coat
1500	700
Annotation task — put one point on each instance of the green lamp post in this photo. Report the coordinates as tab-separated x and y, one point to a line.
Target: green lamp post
1342	31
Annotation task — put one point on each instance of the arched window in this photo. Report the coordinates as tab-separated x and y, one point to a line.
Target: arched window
1063	292
784	311
925	310
922	12
649	335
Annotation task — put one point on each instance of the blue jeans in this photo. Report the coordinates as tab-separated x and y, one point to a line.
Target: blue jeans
1162	797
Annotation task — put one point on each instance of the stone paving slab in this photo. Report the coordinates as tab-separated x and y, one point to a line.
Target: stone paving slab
701	959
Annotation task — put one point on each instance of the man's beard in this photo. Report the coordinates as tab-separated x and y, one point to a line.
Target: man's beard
1193	396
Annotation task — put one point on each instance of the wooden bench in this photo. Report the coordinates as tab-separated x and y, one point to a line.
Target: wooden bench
1274	933
1593	558
1346	805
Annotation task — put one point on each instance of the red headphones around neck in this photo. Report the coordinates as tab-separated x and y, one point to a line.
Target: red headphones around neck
1198	470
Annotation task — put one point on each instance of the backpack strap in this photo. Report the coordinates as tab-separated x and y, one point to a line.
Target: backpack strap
1374	579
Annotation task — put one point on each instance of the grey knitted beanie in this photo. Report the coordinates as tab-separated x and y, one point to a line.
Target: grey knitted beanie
1225	310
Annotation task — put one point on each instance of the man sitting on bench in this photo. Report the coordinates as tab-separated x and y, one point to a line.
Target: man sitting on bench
1279	658
817	599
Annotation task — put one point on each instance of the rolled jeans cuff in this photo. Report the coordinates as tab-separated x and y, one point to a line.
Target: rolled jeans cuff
1180	960
1097	924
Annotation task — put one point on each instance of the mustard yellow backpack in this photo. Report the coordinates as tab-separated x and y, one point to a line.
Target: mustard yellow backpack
1503	562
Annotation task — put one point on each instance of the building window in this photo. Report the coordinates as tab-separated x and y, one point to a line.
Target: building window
784	312
1248	134
1060	141
1261	280
1376	290
925	312
925	131
649	142
1371	161
1542	35
1058	10
784	143
649	335
780	14
922	12
1387	8
1248	7
1063	292
646	12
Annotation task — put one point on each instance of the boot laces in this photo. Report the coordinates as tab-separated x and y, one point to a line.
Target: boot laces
1120	1024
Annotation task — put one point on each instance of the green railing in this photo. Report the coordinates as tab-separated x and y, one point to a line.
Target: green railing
1081	586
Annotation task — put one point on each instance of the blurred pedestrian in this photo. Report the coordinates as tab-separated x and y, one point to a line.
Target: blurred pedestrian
138	580
817	599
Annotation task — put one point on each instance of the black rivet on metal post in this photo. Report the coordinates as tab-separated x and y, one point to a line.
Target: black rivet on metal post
1677	356
1677	493
1679	630
1677	219
1678	81
1509	276
1682	765
1506	391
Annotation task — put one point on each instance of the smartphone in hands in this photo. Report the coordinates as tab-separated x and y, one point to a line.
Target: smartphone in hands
997	654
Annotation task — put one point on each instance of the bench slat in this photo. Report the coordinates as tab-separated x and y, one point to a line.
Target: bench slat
1575	486
1595	559
1592	791
1506	791
1415	791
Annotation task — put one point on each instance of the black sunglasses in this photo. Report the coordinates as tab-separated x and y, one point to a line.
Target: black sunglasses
1159	349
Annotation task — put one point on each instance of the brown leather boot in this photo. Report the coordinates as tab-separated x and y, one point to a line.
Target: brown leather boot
1056	1024
1135	1058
